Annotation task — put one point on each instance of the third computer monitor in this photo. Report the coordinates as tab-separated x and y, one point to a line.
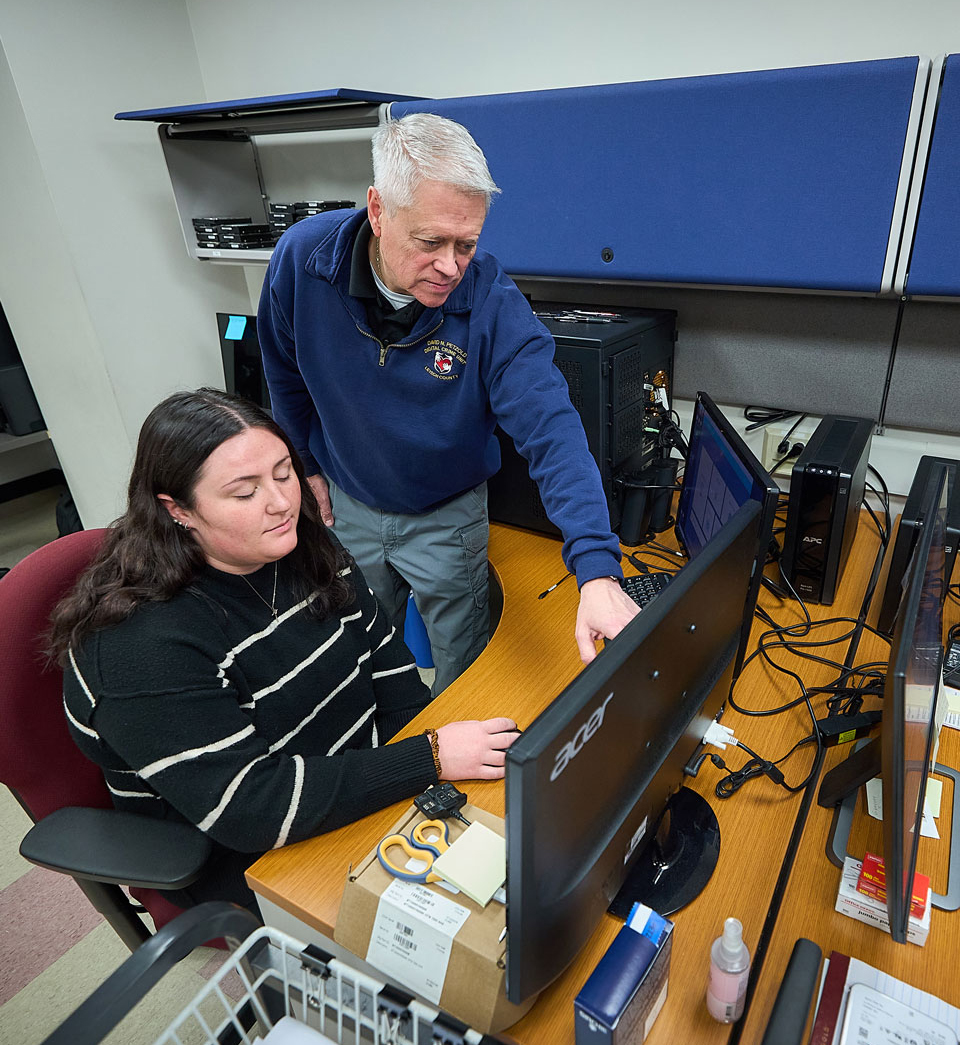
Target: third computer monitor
902	754
910	704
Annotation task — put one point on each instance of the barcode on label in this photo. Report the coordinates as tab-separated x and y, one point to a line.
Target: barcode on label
405	943
405	929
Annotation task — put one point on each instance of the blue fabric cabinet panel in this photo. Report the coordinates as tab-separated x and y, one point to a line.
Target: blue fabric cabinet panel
935	262
780	178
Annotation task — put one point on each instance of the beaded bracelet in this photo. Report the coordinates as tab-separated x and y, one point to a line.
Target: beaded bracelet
431	735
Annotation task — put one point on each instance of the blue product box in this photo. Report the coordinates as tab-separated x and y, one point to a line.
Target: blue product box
625	992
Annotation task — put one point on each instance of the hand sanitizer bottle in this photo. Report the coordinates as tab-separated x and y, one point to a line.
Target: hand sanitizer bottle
729	970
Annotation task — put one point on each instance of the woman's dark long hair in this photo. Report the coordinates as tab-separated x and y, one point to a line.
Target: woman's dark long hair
145	557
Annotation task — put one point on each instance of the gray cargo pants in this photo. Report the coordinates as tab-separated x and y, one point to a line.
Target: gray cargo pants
441	556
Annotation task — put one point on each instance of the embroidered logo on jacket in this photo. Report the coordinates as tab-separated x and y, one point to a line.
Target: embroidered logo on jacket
446	360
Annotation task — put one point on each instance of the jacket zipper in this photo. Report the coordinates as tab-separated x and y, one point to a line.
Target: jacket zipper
384	349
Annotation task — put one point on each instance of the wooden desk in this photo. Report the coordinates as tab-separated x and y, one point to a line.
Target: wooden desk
530	659
808	905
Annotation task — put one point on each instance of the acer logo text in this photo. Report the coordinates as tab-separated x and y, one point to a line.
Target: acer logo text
572	748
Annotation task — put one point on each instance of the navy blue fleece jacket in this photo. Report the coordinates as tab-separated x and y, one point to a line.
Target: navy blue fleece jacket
406	427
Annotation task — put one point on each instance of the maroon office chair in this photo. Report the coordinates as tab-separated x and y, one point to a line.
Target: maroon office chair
76	829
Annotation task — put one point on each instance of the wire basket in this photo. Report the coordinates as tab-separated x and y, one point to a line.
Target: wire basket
282	977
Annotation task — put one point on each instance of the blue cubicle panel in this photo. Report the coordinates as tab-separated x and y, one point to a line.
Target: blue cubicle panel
782	178
935	261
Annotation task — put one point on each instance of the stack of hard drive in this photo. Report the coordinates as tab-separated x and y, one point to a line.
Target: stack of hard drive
232	233
283	215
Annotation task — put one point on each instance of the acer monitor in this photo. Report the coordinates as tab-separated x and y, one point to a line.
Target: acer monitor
595	811
903	754
721	474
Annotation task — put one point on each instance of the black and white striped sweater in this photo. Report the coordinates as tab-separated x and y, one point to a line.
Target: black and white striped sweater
259	731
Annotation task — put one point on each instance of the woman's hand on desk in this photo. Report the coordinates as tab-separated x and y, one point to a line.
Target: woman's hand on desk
605	610
474	750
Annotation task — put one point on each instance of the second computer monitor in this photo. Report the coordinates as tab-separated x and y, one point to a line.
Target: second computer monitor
721	475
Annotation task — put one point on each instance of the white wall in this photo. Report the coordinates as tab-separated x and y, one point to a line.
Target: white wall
246	47
108	311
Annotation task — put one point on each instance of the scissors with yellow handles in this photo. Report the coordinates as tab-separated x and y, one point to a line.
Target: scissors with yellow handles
426	842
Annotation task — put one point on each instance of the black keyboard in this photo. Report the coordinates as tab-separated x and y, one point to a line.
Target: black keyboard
645	586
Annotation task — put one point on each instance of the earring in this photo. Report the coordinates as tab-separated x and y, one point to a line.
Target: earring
182	524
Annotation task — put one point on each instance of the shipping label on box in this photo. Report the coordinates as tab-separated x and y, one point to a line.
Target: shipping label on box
439	944
413	935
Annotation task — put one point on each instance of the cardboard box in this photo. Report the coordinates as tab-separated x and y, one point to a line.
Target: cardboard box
428	940
868	909
626	991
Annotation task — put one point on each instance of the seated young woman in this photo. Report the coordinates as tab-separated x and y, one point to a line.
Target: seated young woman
225	662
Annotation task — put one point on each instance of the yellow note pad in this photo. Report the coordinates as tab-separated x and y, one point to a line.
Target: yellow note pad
476	863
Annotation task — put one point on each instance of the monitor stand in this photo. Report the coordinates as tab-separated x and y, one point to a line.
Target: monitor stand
678	863
840	788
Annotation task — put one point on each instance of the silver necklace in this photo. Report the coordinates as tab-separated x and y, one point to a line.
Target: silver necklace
272	604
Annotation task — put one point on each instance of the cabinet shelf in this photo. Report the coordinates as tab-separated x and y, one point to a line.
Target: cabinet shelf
271	114
234	257
235	157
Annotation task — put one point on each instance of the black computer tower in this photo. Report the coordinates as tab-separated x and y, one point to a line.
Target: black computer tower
826	491
612	370
911	520
242	363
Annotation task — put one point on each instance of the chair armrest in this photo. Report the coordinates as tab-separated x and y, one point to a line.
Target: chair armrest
106	845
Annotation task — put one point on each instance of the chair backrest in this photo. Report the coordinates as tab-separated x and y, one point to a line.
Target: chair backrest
38	759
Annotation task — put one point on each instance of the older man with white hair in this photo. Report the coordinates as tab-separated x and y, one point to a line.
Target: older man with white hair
393	346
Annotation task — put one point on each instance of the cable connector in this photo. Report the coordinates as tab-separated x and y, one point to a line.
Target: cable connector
719	735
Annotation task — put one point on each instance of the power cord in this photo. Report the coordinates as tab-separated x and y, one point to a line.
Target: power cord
645	567
788	452
721	736
784	447
765	415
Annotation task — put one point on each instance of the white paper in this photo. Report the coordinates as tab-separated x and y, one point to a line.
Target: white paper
951	698
874	1017
288	1031
931	804
929	1004
931	800
928	826
412	937
874	789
